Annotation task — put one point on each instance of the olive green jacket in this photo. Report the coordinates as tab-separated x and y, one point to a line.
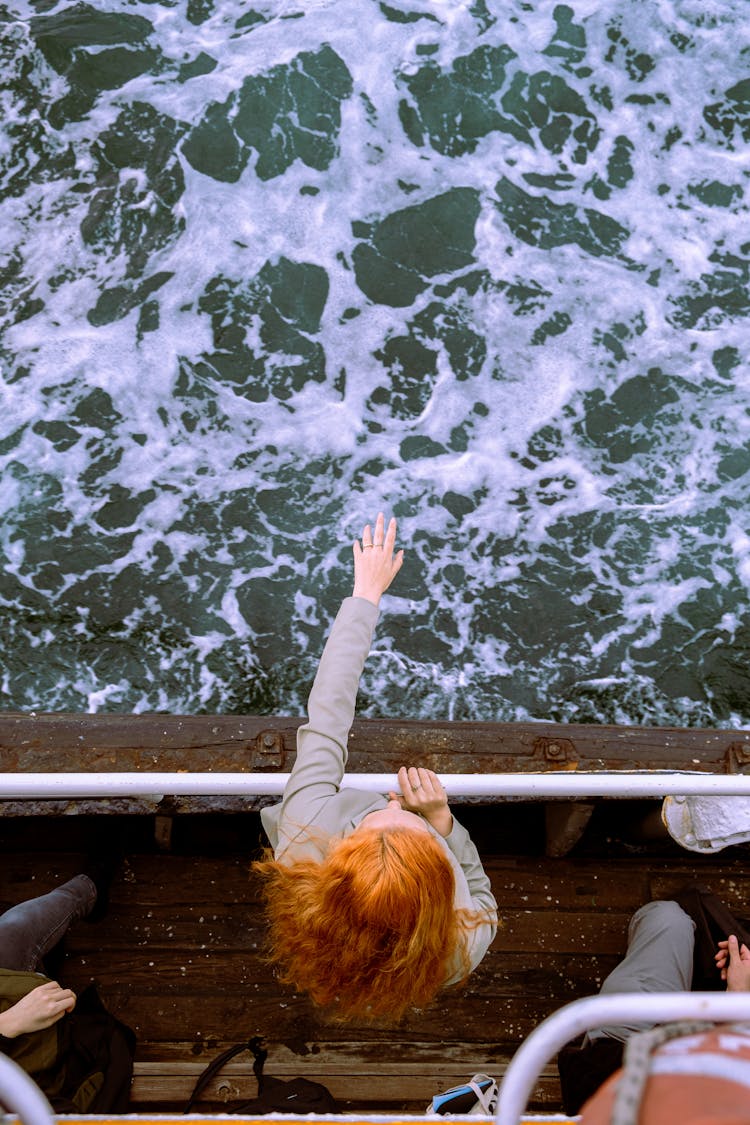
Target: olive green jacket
83	1063
314	810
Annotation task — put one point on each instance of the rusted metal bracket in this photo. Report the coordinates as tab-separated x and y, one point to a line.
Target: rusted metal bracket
267	752
737	757
557	751
163	832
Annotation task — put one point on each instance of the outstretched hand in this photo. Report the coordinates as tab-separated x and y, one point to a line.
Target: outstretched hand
733	962
422	792
375	565
38	1009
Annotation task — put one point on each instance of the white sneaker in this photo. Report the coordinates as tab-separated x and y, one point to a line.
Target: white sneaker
707	824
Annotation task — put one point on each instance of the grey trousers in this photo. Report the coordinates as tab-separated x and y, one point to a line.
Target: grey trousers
661	937
31	929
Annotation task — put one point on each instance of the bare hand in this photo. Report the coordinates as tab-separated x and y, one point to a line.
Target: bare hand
733	962
423	793
38	1009
375	565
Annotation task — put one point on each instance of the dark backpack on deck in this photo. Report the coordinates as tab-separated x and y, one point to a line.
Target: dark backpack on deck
298	1095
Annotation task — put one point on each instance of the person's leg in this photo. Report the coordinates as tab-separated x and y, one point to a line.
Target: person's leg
659	959
31	929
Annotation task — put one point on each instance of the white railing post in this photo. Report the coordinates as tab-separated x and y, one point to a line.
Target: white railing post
599	1011
19	1094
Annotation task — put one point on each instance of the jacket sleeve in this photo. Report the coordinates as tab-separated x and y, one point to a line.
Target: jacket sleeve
322	740
481	897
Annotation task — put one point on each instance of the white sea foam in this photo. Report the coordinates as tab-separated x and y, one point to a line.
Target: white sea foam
565	522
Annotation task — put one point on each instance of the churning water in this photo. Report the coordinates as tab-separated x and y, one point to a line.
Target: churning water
271	266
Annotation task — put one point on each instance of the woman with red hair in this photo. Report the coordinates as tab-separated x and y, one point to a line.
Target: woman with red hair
374	902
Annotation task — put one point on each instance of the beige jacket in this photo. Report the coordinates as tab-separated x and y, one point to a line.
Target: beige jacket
314	810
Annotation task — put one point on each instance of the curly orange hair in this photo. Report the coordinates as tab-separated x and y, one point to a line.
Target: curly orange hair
372	929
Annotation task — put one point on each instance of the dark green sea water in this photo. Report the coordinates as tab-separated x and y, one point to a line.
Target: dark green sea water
269	269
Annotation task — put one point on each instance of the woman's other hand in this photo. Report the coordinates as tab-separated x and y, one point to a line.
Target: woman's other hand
722	958
423	793
375	565
38	1009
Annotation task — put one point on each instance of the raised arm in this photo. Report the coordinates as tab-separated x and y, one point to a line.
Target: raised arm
333	696
321	741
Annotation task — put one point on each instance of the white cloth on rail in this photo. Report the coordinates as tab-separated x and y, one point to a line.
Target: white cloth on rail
707	824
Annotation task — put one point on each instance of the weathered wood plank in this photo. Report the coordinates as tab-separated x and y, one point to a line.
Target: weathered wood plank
732	887
511	973
404	1055
383	1092
117	742
233	1017
194	929
365	1094
113	742
358	1071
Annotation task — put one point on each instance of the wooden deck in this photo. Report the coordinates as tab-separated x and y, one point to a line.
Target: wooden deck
179	956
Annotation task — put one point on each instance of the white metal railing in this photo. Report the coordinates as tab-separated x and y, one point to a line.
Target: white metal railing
574	783
19	1094
599	1011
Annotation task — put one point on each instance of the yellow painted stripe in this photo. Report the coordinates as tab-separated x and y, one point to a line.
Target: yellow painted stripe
290	1119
